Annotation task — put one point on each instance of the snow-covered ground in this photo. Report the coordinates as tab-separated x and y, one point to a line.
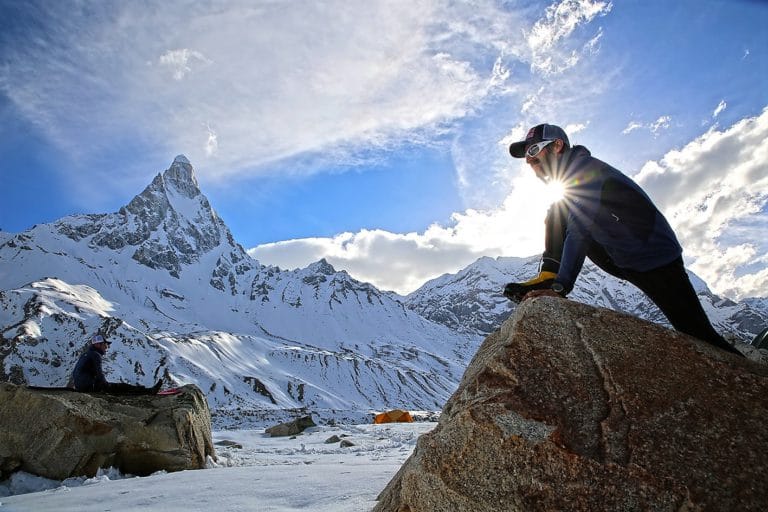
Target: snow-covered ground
254	473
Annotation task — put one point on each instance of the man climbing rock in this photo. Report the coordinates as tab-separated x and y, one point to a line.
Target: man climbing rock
607	217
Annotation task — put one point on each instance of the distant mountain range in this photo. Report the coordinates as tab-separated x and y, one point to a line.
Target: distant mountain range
182	300
470	301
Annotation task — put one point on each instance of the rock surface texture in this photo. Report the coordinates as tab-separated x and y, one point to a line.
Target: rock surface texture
570	407
59	433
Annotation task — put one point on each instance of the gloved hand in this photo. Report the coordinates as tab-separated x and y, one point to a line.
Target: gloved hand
516	291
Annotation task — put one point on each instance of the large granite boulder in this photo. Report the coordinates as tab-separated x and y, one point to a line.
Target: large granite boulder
569	407
59	433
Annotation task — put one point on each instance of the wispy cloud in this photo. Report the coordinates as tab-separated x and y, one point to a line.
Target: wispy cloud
212	146
632	126
573	129
276	81
549	37
561	44
329	85
660	124
181	61
656	127
719	109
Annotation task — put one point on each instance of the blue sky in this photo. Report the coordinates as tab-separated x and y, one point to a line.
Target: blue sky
374	133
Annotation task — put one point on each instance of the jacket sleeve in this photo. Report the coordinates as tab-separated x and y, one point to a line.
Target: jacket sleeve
574	252
583	205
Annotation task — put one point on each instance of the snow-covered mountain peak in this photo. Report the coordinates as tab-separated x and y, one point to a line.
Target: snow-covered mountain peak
168	226
181	176
322	267
171	223
178	181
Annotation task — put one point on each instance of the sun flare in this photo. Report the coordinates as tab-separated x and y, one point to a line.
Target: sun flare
554	191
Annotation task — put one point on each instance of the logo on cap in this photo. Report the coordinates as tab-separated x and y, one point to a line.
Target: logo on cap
98	338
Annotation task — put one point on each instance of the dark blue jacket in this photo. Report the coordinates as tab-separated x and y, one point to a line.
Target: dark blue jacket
88	375
607	208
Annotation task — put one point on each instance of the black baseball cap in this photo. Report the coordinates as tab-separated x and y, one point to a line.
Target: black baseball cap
537	134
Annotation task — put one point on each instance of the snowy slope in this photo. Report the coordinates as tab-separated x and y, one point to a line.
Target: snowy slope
471	300
759	304
164	278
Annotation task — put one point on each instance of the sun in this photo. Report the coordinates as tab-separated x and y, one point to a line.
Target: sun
554	191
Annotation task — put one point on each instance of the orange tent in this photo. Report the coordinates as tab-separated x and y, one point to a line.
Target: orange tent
393	416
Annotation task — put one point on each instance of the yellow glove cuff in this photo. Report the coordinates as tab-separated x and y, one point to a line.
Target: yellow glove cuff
543	276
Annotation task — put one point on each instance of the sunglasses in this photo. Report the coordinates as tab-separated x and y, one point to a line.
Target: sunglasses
535	149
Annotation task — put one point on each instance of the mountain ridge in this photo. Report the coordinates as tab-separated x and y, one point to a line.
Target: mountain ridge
165	279
470	300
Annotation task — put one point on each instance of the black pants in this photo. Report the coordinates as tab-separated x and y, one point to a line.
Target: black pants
667	286
122	388
118	388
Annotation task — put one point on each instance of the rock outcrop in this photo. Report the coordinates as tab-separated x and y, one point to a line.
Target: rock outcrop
58	433
570	407
291	428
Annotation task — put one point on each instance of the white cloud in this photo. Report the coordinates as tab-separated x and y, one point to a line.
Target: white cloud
632	126
212	144
402	262
593	45
573	129
548	37
277	82
714	192
662	123
294	91
559	50
719	109
180	61
399	262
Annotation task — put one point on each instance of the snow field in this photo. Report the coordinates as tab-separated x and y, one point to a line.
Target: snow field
254	472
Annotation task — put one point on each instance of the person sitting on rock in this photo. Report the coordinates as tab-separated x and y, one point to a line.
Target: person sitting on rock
88	375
